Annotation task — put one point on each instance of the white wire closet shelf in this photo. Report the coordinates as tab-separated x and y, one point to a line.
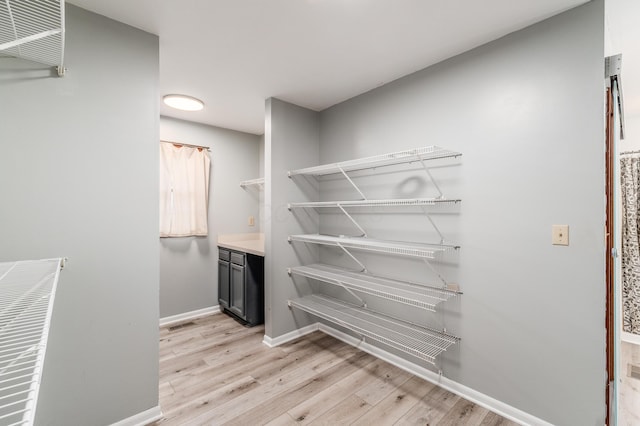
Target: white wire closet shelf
390	159
425	251
394	202
419	295
27	292
415	340
252	182
33	30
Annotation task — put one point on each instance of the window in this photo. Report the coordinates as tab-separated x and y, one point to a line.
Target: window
184	190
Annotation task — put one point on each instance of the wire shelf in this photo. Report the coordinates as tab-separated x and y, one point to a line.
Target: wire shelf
415	340
419	295
390	159
425	251
398	202
33	30
27	291
252	182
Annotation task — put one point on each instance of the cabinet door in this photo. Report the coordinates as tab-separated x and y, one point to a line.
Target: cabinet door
223	283
237	290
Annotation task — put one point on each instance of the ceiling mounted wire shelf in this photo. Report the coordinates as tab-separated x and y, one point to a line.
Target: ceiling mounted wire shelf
413	339
390	159
27	292
425	251
33	30
252	182
397	202
419	295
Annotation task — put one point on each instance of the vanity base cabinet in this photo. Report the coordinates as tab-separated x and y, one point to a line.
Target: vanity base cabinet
241	286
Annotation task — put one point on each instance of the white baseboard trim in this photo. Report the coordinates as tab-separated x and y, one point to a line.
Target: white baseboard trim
472	395
141	419
189	315
292	335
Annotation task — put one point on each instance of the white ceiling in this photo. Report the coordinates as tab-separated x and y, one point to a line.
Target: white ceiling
234	54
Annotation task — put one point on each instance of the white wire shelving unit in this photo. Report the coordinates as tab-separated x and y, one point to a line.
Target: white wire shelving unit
421	342
27	293
259	182
408	293
400	248
34	30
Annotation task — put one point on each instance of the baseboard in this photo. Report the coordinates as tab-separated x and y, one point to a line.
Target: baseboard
472	395
272	343
141	419
189	315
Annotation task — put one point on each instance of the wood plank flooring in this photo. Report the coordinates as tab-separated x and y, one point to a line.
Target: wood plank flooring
215	372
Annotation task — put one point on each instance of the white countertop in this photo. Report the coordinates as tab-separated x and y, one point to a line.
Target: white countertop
248	243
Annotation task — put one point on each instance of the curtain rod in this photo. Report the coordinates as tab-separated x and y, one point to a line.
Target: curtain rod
186	144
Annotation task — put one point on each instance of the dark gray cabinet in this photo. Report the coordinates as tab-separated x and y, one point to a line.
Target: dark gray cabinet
241	285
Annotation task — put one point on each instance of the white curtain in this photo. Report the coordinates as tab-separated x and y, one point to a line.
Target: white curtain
630	177
184	190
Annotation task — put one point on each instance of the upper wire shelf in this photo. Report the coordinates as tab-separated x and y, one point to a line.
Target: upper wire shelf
252	182
413	339
390	159
397	202
419	295
34	30
425	251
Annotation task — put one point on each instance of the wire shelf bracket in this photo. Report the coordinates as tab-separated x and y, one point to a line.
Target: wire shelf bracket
421	342
409	293
259	182
27	293
34	30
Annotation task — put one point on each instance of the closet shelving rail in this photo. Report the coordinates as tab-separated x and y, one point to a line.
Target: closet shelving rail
419	295
252	182
397	202
34	30
27	292
420	250
390	159
413	339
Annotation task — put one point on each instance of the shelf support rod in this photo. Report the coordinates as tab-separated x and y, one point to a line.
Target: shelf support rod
364	269
351	182
444	282
362	302
433	224
364	234
433	181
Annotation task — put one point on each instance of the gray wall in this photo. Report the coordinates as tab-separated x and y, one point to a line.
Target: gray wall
189	266
291	142
79	167
527	113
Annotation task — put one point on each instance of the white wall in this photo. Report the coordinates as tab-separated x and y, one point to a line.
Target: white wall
189	266
527	113
79	167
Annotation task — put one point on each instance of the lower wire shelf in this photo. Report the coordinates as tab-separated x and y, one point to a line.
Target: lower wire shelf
421	342
419	295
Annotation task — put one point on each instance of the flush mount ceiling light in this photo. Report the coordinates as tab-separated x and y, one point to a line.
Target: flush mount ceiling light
183	102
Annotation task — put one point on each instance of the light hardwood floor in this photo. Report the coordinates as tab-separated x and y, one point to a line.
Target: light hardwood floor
216	371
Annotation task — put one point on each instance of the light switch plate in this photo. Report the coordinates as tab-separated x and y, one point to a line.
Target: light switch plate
251	221
560	235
